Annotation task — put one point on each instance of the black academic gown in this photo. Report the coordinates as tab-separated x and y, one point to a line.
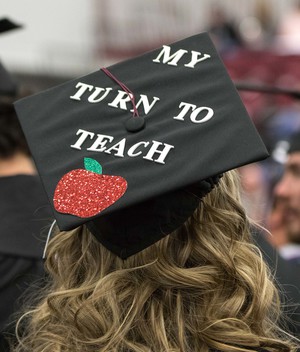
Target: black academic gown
25	218
288	282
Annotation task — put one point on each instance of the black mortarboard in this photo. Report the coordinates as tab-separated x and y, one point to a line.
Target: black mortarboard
8	85
191	127
247	86
7	25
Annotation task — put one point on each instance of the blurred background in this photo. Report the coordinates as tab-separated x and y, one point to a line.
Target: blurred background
68	38
259	41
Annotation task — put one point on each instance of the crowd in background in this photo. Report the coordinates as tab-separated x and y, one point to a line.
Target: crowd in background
266	72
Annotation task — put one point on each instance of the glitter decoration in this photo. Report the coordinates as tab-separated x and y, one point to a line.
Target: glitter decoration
92	165
85	193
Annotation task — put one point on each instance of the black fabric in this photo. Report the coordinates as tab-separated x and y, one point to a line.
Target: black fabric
126	231
8	85
194	114
25	220
7	24
294	143
287	279
19	279
25	216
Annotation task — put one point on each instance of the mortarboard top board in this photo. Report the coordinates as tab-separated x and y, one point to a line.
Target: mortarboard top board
192	125
7	25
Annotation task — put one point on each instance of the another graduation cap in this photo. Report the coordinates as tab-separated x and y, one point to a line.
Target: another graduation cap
262	88
7	25
129	150
8	85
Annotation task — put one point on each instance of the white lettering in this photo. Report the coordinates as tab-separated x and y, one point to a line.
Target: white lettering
195	112
93	97
209	115
121	99
101	141
82	89
118	147
184	111
165	52
154	149
144	100
131	150
195	59
82	138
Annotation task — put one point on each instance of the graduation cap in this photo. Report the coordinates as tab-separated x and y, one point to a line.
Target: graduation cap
129	150
284	128
8	85
267	89
7	25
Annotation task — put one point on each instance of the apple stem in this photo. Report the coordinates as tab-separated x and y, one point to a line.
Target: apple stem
92	165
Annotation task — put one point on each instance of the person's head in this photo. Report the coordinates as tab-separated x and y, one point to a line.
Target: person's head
202	287
156	253
287	191
276	223
12	139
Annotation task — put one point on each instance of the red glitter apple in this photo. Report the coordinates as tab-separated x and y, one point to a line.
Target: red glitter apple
86	192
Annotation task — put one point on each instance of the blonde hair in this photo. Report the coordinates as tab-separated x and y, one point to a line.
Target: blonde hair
204	287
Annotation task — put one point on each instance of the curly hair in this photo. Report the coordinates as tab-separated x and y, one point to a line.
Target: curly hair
205	287
12	139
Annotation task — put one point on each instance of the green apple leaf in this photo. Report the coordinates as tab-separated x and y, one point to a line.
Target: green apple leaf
92	165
